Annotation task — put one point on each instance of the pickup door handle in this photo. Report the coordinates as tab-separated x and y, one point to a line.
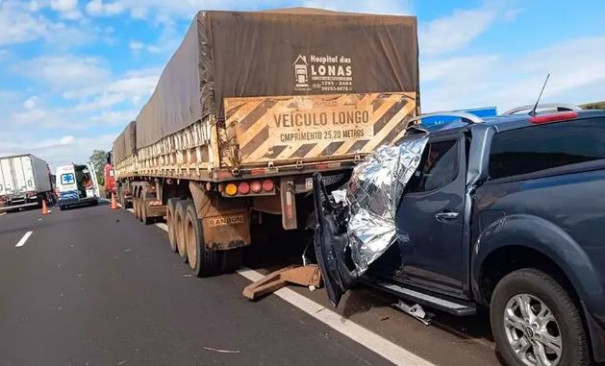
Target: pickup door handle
446	216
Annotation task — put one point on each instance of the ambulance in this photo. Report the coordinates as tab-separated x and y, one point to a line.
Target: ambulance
77	186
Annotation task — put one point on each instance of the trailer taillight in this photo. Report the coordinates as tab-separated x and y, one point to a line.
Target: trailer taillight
256	187
248	188
231	189
268	185
243	188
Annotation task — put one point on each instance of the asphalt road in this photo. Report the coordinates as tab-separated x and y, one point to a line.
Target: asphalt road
91	286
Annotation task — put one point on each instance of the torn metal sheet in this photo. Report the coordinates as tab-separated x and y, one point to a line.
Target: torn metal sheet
415	311
373	193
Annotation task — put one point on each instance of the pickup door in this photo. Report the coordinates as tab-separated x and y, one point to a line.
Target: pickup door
430	223
430	220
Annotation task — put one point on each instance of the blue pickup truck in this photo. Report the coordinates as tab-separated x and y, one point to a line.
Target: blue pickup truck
509	214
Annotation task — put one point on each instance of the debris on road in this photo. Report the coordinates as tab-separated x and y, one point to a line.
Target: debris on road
309	276
220	350
415	311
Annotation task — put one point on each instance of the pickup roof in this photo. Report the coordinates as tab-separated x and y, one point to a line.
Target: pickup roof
507	213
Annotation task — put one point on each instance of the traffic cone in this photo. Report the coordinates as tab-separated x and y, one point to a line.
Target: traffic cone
114	204
44	208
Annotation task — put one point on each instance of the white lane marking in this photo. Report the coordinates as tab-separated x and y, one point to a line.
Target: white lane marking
162	226
24	239
354	331
346	327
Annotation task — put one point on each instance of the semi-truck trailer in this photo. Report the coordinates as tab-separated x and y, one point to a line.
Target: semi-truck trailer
248	108
25	181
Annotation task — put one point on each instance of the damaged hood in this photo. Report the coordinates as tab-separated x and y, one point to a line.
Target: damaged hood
356	225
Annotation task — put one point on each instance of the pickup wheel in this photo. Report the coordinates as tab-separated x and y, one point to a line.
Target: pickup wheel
179	224
202	262
170	222
535	321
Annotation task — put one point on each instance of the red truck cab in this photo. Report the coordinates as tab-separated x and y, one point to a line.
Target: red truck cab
110	180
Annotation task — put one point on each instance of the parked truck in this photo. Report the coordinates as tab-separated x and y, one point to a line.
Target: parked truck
24	182
248	108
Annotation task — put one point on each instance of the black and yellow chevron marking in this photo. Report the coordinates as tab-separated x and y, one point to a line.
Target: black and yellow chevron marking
303	127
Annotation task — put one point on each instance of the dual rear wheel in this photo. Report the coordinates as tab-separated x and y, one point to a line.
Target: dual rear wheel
140	210
186	236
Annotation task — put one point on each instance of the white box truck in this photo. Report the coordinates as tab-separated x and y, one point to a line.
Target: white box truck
24	182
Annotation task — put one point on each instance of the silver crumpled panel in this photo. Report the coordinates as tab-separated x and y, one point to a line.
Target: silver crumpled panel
373	194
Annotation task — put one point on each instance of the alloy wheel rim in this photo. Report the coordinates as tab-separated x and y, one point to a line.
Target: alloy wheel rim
532	331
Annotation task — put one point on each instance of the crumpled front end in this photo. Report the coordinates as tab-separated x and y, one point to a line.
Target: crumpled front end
356	225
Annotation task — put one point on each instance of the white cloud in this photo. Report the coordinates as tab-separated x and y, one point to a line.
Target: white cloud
92	94
65	73
456	31
67	8
94	7
141	9
17	25
64	6
100	8
72	15
138	12
169	39
33	6
20	22
576	67
30	103
136	46
66	140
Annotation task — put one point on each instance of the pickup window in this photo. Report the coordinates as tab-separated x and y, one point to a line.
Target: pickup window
438	167
532	149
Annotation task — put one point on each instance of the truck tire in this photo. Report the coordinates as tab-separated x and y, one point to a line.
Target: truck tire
179	225
135	207
232	260
202	262
139	209
144	218
170	212
122	198
533	316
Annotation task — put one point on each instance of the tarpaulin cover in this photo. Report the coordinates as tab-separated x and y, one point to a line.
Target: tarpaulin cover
283	52
373	194
125	145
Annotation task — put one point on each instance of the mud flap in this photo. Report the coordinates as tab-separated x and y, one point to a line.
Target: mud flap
332	244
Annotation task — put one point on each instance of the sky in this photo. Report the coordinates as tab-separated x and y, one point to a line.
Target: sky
73	73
